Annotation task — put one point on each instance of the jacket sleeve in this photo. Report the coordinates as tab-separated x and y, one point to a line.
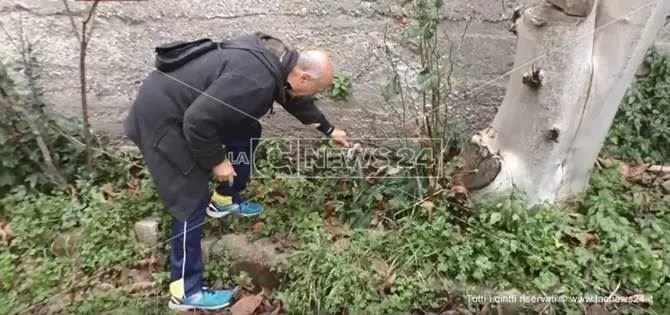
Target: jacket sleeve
304	109
225	103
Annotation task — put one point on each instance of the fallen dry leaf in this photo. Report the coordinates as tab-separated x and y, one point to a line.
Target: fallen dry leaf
379	216
108	191
137	276
245	282
134	185
278	196
633	173
485	310
257	226
589	238
266	303
596	309
334	227
607	162
386	273
381	205
73	192
285	239
428	207
141	286
541	308
462	311
247	305
460	191
276	310
387	283
328	208
150	262
6	233
641	298
381	266
123	278
341	244
105	286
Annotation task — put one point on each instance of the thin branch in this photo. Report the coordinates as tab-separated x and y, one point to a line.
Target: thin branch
72	22
90	18
393	66
49	168
84	38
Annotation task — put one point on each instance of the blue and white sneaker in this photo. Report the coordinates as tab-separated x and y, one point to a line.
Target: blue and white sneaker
245	209
206	299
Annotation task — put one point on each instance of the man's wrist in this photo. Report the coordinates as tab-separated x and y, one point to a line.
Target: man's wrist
324	126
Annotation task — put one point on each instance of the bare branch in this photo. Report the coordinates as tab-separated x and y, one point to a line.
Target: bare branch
84	38
71	16
89	19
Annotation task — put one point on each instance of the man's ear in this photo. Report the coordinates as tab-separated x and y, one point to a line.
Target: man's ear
304	77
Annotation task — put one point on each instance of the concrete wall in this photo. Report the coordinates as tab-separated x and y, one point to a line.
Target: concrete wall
121	51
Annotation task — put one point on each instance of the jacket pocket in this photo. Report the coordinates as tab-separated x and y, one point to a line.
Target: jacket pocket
172	145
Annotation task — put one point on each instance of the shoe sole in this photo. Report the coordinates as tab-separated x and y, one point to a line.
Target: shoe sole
182	307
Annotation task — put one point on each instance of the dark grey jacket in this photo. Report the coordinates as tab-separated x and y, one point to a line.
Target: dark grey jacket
179	129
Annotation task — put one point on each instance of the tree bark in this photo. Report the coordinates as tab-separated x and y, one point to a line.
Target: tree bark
574	61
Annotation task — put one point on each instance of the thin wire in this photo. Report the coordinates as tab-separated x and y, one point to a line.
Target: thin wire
413	205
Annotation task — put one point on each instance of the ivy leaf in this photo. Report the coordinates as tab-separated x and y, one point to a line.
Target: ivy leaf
495	218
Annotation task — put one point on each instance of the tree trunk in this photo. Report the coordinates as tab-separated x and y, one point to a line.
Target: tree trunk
574	61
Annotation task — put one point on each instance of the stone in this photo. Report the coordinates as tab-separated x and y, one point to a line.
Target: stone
596	309
258	259
666	186
147	232
660	171
574	7
64	244
207	245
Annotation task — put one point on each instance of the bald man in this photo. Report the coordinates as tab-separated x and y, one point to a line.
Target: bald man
181	121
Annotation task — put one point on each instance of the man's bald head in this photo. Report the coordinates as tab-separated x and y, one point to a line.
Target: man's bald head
312	73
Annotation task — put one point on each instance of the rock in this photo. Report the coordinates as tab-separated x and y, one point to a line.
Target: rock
574	7
597	309
65	243
660	169
513	296
207	245
147	232
258	258
666	186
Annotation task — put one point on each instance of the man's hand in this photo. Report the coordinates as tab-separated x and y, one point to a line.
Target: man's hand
340	137
224	172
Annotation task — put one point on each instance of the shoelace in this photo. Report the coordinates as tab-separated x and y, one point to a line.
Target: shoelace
206	290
